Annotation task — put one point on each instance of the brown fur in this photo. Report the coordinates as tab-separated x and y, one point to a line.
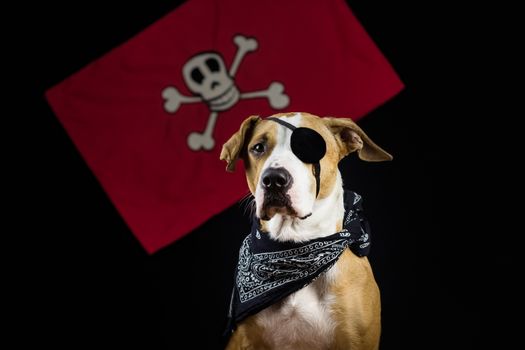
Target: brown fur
356	309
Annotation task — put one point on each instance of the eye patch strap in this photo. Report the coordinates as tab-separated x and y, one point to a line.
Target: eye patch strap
283	123
317	174
316	166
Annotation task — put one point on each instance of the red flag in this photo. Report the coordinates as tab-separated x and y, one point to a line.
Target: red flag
150	116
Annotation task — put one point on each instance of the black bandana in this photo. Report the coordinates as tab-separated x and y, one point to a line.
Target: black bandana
269	271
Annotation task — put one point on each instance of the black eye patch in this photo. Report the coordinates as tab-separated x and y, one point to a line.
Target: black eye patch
308	145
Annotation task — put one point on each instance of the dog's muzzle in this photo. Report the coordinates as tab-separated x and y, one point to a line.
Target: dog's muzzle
276	182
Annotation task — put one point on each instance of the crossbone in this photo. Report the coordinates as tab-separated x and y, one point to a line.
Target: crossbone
206	77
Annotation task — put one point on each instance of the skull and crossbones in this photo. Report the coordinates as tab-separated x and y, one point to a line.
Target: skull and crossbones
206	77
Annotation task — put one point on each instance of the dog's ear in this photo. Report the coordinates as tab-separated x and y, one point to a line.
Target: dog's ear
231	150
351	137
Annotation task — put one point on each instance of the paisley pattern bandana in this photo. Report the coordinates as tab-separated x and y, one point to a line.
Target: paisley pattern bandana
269	271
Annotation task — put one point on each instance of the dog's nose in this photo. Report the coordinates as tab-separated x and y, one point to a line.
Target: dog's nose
276	179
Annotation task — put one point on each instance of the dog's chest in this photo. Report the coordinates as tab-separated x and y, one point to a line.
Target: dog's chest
302	320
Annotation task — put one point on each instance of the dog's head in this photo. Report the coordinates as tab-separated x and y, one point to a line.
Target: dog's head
280	162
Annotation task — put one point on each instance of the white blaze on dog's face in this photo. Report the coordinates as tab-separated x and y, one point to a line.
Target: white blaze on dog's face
280	182
285	184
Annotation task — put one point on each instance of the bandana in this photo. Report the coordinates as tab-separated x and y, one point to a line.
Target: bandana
269	271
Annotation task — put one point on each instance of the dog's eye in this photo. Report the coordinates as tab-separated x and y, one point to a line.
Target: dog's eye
258	149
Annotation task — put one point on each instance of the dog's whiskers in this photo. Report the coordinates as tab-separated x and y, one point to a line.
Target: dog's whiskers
248	203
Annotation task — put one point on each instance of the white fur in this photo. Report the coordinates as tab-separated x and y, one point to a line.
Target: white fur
304	319
301	321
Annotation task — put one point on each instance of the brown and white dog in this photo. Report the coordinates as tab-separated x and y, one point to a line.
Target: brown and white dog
341	308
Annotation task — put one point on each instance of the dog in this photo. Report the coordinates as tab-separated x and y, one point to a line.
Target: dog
299	197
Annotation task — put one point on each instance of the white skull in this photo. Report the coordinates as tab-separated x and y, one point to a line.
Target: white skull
206	75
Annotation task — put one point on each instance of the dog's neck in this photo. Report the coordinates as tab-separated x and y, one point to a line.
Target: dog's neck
326	219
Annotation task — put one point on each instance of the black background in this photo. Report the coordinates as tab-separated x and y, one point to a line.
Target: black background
86	281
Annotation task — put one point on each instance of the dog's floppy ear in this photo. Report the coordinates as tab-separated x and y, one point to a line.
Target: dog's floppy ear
351	138
231	150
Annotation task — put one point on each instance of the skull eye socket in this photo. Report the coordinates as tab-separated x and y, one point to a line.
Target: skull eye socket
196	75
212	64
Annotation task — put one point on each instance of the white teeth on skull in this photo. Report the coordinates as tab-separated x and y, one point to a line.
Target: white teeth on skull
226	100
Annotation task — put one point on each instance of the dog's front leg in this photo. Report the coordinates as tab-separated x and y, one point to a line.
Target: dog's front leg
357	305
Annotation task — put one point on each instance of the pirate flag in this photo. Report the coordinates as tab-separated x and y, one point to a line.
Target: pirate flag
150	116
